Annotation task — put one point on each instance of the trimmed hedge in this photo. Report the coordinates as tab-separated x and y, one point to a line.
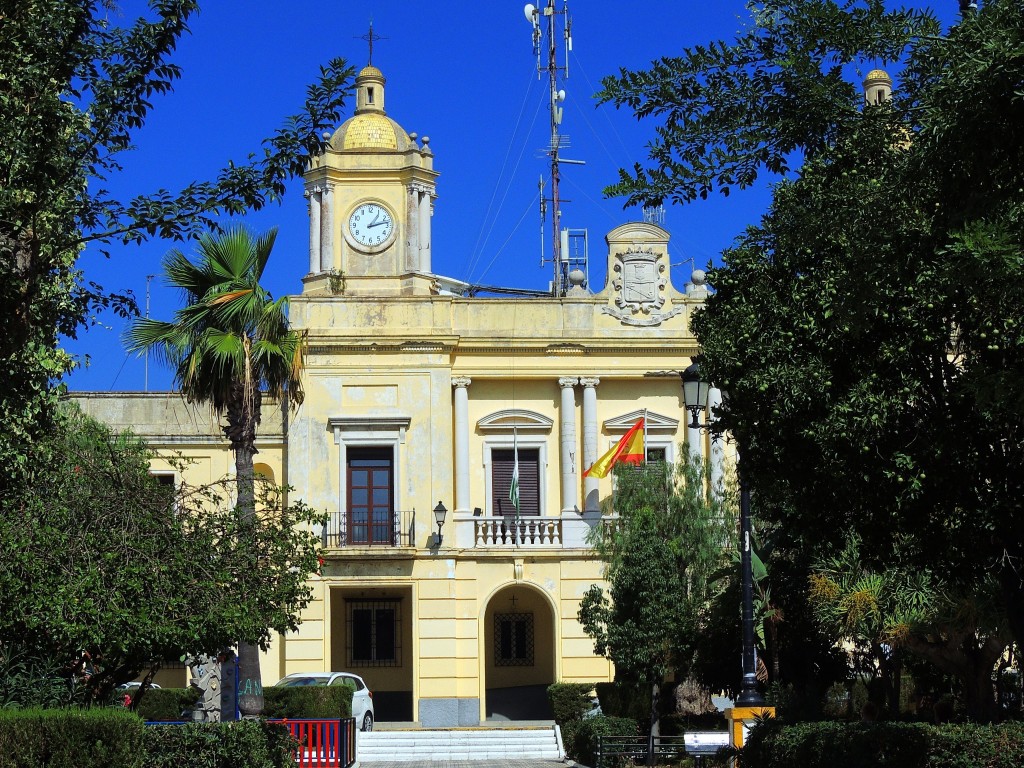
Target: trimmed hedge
579	737
569	701
312	701
167	703
625	700
884	745
245	744
71	738
620	699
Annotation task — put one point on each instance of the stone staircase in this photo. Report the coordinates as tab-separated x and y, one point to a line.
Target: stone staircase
541	743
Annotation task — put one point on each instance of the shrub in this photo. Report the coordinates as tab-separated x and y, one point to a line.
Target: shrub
977	746
624	700
312	701
31	678
71	738
245	744
884	745
166	703
580	737
569	701
620	699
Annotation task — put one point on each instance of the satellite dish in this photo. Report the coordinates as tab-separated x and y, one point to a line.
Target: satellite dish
561	95
530	11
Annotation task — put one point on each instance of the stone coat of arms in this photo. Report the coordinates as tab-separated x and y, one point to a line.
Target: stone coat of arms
640	281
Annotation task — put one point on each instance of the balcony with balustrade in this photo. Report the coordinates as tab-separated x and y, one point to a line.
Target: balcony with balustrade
403	530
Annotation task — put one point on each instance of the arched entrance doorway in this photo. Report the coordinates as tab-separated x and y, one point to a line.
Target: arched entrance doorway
519	654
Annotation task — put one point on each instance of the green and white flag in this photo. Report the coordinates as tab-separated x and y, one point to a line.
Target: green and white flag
513	489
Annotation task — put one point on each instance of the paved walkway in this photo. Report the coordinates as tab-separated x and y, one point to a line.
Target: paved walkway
464	764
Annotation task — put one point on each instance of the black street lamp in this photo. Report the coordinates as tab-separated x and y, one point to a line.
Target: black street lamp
695	395
439	512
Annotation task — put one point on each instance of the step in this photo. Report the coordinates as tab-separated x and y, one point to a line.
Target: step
458	744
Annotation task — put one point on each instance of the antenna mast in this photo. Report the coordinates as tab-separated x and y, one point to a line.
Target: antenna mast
145	384
543	21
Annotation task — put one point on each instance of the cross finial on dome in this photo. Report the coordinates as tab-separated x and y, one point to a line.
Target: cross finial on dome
369	37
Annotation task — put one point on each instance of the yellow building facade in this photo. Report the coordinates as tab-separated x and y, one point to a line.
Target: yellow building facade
421	396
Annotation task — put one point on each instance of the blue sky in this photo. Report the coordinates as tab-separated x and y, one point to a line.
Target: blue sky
462	74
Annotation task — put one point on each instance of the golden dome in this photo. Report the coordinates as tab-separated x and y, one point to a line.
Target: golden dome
370	71
370	130
878	74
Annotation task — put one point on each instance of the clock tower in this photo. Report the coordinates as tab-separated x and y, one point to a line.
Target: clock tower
370	200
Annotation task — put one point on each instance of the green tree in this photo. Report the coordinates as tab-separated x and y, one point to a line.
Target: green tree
800	660
728	112
881	614
868	327
670	538
101	558
228	346
74	88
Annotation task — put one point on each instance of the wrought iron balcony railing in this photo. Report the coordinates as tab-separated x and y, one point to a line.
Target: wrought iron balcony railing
396	528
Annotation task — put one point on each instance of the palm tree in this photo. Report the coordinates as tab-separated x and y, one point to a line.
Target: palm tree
228	345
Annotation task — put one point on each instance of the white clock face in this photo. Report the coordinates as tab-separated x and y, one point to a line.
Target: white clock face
371	224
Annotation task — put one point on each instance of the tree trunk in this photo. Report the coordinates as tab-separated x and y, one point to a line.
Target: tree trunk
971	662
250	682
243	416
1011	583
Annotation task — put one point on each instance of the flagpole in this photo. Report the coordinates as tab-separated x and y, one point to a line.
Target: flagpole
513	490
645	435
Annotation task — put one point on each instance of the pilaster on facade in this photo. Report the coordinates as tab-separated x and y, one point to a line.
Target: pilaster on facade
461	408
313	196
326	233
412	218
424	229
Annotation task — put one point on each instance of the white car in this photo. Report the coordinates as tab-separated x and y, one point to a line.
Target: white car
134	685
362	699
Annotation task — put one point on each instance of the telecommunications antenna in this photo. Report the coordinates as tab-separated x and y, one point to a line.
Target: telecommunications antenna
543	23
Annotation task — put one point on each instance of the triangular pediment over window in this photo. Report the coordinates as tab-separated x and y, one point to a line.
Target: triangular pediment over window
515	419
655	422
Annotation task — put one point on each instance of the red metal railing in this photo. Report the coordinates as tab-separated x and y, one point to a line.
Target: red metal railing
323	743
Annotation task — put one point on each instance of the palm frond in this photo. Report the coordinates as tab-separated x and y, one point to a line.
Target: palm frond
230	331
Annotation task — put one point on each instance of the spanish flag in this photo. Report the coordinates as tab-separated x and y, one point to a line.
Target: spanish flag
630	449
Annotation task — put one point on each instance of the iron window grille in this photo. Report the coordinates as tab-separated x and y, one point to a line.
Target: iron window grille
374	637
513	639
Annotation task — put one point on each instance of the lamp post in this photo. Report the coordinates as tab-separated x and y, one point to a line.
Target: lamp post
695	395
439	512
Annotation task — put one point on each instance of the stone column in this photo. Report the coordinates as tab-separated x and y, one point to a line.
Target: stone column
313	194
412	229
590	484
327	229
717	457
461	384
695	437
567	417
424	261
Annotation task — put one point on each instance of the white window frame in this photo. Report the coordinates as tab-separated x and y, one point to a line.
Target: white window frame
505	442
368	432
507	429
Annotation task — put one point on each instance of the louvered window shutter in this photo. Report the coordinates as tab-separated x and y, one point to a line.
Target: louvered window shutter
502	462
